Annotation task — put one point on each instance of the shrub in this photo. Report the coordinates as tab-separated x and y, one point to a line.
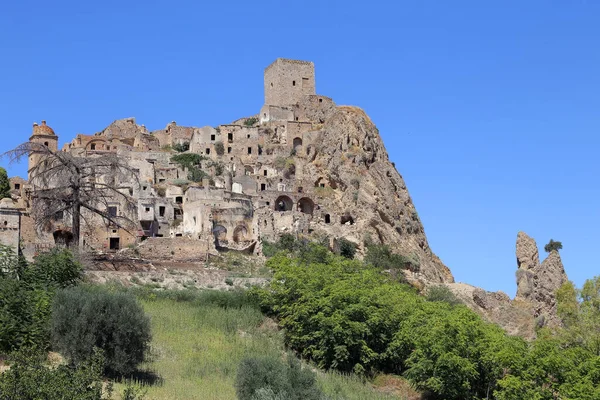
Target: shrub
4	184
181	147
552	245
30	378
347	249
87	317
57	268
442	293
219	148
271	378
251	121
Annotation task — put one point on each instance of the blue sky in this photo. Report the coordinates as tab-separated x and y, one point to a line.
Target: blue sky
489	109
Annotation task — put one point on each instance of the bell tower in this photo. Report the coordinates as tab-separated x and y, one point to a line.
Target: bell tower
42	135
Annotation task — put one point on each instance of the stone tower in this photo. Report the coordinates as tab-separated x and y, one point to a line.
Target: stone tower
42	134
288	81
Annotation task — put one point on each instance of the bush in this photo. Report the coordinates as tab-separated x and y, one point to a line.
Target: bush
30	378
88	317
181	147
4	184
381	257
269	378
26	294
443	294
552	245
347	248
251	121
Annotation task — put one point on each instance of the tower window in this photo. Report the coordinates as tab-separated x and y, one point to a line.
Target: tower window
265	172
212	137
17	186
161	211
249	150
46	144
228	150
293	83
207	151
271	84
263	186
230	137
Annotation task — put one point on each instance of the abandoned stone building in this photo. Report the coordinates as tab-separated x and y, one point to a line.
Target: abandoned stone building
302	165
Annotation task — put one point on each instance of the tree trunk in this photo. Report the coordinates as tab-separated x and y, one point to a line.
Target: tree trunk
76	219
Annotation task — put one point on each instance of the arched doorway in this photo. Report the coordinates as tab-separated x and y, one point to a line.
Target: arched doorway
306	205
220	232
297	144
240	233
284	203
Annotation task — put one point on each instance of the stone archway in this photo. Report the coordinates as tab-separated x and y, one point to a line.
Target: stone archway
306	205
284	203
240	233
220	233
297	144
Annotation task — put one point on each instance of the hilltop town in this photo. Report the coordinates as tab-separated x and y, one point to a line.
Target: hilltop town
302	165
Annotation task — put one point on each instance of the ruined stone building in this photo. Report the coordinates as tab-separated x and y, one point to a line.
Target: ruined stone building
302	165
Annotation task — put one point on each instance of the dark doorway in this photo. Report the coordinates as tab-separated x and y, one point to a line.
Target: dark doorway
114	243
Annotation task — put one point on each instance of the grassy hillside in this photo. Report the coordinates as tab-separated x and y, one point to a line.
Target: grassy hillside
199	339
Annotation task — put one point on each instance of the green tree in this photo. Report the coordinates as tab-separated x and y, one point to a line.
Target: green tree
111	321
4	184
552	245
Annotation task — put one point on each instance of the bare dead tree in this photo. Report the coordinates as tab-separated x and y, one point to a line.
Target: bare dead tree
66	183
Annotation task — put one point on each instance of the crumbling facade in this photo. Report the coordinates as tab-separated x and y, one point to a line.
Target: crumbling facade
302	166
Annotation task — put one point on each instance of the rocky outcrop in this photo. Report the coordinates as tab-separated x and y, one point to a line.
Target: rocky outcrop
369	192
537	283
535	302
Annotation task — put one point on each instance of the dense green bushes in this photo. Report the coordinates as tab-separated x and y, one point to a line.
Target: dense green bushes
26	295
29	377
85	318
349	316
269	378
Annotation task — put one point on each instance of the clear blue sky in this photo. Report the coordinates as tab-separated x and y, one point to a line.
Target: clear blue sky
490	109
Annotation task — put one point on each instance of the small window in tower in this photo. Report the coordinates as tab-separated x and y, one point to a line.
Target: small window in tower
161	211
17	186
5	223
144	187
179	200
265	172
212	137
293	83
271	84
147	209
268	203
320	100
327	218
296	118
230	137
207	151
228	150
46	144
263	186
249	150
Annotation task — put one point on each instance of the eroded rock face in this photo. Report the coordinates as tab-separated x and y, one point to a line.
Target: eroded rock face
370	192
537	283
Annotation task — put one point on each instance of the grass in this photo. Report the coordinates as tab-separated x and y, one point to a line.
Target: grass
200	337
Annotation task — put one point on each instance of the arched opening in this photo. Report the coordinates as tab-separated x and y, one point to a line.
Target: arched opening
46	144
5	223
327	218
240	233
248	169
297	143
62	238
306	205
220	232
284	203
346	219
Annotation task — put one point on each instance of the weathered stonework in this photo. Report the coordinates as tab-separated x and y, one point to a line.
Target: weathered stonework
305	166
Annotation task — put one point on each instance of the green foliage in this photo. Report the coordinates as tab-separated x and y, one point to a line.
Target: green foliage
381	257
26	295
442	293
219	148
188	160
195	174
4	184
111	321
271	378
552	245
30	378
347	249
251	121
181	147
